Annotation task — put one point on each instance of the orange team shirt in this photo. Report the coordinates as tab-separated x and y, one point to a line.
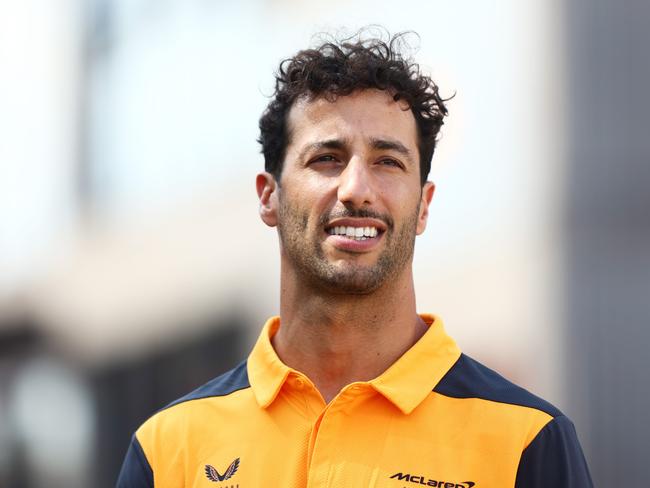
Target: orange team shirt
434	418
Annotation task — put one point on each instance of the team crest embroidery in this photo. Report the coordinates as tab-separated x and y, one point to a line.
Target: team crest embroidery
213	474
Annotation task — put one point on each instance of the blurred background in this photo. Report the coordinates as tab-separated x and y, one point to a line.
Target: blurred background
133	266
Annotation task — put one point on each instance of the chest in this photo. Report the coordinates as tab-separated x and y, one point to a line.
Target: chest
354	442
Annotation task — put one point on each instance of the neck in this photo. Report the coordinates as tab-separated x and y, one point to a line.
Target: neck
338	339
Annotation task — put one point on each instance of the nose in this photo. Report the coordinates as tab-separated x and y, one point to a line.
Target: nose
355	184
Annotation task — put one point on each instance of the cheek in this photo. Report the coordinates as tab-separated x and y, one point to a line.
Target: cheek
403	200
294	213
316	197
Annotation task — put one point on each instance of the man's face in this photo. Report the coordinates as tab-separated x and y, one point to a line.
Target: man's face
350	203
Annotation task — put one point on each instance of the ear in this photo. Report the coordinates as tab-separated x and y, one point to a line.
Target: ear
266	191
423	215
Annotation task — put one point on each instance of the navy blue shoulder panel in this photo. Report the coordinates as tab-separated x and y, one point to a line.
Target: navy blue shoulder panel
554	458
136	471
468	378
234	380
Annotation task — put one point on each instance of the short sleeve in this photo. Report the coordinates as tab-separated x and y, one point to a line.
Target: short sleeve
136	471
554	458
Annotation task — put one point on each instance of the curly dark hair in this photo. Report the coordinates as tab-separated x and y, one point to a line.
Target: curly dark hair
338	68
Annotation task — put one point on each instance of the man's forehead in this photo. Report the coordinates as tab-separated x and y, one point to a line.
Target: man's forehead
368	96
368	110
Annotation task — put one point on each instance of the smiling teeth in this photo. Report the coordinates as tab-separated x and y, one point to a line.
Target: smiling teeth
357	233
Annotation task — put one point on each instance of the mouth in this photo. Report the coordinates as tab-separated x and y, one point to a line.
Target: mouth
356	233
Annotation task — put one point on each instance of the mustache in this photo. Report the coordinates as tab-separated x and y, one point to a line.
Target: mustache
359	213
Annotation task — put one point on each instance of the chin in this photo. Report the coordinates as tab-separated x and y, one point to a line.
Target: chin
354	282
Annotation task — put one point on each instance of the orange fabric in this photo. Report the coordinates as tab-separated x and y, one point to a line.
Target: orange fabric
393	431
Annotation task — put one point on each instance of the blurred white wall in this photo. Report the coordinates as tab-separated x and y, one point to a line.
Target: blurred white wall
40	43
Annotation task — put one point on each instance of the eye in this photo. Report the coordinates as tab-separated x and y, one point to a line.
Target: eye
324	158
391	162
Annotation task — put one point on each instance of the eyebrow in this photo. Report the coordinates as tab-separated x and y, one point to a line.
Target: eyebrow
391	145
337	144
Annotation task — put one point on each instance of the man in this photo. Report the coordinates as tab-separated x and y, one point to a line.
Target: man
350	387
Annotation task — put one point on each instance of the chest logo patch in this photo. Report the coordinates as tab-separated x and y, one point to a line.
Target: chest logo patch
213	474
421	480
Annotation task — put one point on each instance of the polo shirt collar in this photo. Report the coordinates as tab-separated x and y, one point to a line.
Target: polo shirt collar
413	376
406	383
266	372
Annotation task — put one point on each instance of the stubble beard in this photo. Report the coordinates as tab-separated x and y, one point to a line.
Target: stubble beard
303	247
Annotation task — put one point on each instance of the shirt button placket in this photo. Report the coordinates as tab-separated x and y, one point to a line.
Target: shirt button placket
324	442
328	438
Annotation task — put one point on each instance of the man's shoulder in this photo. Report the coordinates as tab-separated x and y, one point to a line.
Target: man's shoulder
223	387
226	384
181	423
468	378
